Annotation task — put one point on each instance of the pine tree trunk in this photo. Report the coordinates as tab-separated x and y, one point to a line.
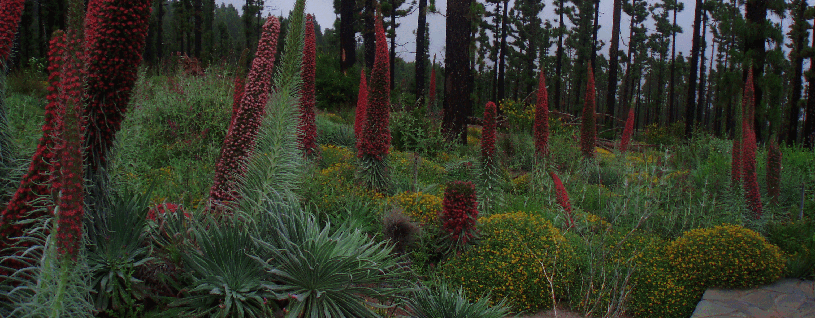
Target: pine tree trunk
559	62
502	55
393	51
700	104
809	121
799	36
690	101
198	20
348	53
421	50
671	80
368	38
611	94
457	89
756	15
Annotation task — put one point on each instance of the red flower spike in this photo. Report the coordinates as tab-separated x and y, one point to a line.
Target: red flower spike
628	131
488	134
376	139
41	174
753	195
362	102
240	139
10	13
459	213
112	68
563	199
773	171
541	127
307	129
588	129
748	104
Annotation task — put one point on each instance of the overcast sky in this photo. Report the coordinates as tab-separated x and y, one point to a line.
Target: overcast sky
323	10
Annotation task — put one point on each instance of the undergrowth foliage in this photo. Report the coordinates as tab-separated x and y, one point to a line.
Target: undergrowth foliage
362	103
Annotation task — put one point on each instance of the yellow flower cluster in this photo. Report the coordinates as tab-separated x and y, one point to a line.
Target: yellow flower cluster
520	184
420	207
518	256
519	115
334	154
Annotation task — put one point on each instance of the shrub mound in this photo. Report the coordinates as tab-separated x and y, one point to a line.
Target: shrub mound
517	253
420	207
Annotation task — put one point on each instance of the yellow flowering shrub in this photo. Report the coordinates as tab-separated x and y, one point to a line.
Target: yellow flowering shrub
331	154
727	256
520	115
515	259
420	207
521	184
402	163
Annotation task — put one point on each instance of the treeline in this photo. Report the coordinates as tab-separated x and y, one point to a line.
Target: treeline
494	49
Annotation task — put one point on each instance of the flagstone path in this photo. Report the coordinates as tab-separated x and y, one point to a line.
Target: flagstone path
788	298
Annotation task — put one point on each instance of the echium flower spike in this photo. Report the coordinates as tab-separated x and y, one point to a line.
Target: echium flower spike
241	136
459	212
116	33
71	169
541	126
749	100
628	131
307	129
588	129
377	136
10	13
362	103
40	177
749	165
773	171
563	199
488	135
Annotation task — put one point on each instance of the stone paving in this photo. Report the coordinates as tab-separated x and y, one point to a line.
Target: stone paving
788	298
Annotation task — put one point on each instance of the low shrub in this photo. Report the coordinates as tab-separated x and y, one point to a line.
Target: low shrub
420	207
521	257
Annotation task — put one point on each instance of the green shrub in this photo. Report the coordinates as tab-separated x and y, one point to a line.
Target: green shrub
517	256
331	155
658	292
414	131
797	240
329	132
726	256
422	208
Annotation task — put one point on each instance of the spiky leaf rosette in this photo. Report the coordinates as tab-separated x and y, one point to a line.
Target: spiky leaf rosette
116	32
773	171
240	141
628	131
459	212
10	13
563	198
376	141
273	169
541	127
443	301
752	193
37	181
588	128
307	130
362	104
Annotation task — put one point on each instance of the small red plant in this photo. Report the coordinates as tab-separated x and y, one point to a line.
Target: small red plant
240	140
563	199
159	211
10	13
541	127
749	165
773	171
362	102
628	131
488	135
376	134
307	129
459	211
588	129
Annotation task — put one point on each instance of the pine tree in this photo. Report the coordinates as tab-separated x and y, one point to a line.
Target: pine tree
457	88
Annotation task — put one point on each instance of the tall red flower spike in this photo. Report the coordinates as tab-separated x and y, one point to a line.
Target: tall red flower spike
307	129
748	103
628	131
541	127
116	32
749	165
37	181
773	171
459	211
588	129
71	170
240	140
240	86
10	13
376	134
563	199
362	103
488	135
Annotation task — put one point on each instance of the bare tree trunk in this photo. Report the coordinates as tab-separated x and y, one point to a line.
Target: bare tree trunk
348	55
611	94
457	79
559	62
421	50
671	80
690	101
797	58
